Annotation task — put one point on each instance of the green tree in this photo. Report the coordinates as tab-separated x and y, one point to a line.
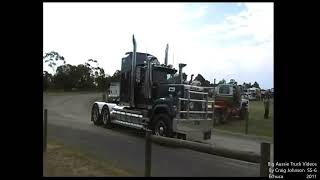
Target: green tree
86	80
64	77
52	58
101	80
47	80
116	76
246	85
256	85
232	81
203	81
97	73
223	81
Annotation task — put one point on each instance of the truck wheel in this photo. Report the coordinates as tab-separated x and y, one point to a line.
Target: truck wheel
106	121
162	125
95	117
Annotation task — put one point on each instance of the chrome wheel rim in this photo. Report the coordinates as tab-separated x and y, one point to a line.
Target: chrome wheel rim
160	129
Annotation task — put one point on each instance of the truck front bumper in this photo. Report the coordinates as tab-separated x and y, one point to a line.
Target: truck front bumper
194	129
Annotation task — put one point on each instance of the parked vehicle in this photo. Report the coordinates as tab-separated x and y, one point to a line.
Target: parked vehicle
229	103
114	92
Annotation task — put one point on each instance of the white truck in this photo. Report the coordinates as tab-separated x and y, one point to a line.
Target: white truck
251	93
114	92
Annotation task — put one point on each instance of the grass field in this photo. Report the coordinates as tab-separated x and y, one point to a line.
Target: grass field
257	125
65	161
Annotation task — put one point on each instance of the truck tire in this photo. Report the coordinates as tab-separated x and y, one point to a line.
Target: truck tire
162	125
106	120
95	116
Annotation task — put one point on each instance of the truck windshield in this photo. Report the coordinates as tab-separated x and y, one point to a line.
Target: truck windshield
224	90
162	76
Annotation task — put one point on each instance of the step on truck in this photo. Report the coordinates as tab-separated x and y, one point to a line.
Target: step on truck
153	96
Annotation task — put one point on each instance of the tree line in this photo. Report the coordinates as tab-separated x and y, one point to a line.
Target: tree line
67	77
90	76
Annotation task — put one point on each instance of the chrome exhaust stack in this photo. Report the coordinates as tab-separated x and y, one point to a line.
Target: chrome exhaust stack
166	55
133	72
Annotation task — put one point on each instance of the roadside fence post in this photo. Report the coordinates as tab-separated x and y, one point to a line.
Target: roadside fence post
265	159
147	156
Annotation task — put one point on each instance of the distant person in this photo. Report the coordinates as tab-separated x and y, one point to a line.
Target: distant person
258	92
266	102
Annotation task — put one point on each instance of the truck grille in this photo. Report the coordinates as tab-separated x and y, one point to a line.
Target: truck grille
196	106
193	105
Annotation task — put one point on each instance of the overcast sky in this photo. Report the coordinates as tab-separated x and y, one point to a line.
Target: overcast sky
217	40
